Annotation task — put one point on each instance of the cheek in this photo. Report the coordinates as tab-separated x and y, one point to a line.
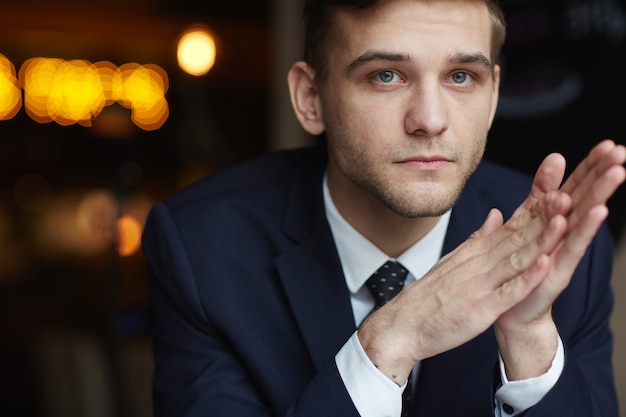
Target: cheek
473	122
376	126
351	121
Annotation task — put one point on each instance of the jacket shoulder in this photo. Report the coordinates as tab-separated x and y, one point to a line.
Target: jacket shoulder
274	170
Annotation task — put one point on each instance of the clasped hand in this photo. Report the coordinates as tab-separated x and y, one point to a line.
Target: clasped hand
506	274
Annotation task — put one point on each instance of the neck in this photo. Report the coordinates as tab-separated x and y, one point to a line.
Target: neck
390	232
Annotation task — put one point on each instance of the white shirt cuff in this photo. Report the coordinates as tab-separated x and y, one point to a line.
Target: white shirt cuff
513	397
373	394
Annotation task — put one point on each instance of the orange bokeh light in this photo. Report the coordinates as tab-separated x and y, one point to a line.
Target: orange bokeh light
128	235
196	51
10	94
76	91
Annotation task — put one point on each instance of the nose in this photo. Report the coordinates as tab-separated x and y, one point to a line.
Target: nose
426	111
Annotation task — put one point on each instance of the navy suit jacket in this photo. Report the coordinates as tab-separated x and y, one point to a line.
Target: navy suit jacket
249	304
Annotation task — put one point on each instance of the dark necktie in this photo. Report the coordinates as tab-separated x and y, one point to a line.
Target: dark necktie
385	284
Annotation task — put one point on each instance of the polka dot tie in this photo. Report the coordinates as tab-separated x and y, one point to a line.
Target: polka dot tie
385	284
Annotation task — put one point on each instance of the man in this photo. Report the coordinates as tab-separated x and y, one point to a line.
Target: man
258	274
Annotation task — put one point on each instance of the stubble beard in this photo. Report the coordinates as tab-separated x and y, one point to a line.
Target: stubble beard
428	198
430	201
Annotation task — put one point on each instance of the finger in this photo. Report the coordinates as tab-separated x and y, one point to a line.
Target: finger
597	190
586	173
572	249
552	204
508	251
497	241
602	156
548	177
492	222
472	246
521	250
514	291
510	293
513	246
534	220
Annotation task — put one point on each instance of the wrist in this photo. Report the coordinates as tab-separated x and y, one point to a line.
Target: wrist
527	350
386	351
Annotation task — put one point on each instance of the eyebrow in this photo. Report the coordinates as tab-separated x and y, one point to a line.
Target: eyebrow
370	56
458	58
475	58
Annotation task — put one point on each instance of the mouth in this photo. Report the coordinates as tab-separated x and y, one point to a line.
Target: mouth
424	162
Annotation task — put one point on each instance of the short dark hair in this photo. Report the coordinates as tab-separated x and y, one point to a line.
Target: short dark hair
318	13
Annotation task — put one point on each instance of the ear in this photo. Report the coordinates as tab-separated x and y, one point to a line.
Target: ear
495	93
305	98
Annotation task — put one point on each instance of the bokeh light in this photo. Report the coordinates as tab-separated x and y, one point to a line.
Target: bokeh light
77	95
76	91
128	235
10	94
196	51
142	89
78	223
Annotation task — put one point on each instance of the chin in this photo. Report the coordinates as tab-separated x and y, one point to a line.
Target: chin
417	209
431	202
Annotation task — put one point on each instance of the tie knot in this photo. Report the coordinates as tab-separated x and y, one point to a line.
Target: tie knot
386	282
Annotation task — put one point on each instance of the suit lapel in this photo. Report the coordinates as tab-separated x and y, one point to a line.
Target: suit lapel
318	297
310	271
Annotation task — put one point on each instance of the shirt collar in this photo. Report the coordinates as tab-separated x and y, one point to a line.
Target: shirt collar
360	258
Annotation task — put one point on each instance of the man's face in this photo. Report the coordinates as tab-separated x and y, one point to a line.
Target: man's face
407	102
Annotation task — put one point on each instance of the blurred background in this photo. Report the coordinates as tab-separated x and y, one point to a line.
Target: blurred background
107	107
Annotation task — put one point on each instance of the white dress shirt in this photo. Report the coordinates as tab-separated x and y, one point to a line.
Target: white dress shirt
373	394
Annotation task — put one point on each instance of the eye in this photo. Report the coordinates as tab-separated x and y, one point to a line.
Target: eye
386	77
460	78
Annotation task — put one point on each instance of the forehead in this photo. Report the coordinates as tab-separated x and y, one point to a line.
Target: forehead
412	27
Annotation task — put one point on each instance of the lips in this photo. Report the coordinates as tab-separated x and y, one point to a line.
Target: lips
425	159
424	162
